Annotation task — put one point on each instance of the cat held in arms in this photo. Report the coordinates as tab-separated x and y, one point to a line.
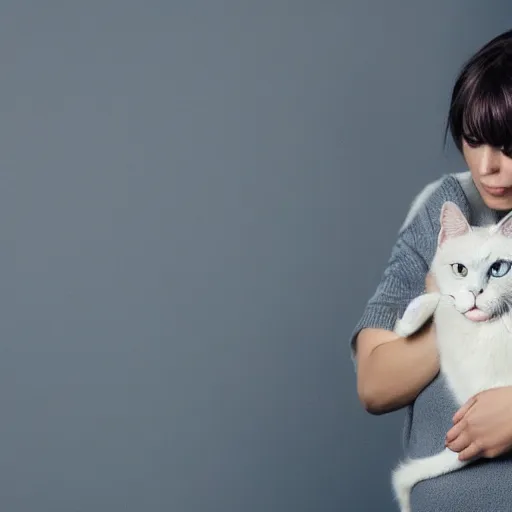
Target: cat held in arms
472	313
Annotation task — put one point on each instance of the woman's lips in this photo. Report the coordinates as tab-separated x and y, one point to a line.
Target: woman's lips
497	191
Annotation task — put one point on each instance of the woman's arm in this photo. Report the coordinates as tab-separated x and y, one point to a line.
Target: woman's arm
391	370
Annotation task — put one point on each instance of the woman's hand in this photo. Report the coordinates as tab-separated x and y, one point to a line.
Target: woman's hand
483	425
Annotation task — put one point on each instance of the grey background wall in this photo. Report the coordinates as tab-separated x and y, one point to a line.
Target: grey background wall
196	200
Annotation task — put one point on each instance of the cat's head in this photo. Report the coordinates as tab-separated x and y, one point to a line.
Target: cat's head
473	265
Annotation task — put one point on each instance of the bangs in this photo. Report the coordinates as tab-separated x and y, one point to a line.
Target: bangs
481	107
486	117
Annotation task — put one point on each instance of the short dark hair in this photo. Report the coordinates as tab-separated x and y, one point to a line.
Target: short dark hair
481	104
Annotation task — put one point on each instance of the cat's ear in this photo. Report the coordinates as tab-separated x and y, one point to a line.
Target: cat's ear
504	226
453	223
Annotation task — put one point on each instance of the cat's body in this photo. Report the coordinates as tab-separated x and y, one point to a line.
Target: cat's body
473	324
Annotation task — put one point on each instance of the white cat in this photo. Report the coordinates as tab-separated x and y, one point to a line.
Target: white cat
473	322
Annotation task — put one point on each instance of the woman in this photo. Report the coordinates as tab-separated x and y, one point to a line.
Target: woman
395	372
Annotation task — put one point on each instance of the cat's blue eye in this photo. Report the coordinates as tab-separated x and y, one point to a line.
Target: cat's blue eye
459	270
500	268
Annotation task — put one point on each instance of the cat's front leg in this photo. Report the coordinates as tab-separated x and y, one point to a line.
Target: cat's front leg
417	313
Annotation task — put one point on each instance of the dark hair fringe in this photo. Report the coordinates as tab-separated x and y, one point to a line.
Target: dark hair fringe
481	104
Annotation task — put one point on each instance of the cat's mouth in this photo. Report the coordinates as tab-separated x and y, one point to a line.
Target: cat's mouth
477	315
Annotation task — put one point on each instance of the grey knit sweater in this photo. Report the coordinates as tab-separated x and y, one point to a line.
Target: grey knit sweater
484	486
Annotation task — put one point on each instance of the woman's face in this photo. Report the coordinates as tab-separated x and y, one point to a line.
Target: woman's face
492	173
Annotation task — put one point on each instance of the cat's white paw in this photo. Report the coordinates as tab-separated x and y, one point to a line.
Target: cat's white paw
404	328
417	313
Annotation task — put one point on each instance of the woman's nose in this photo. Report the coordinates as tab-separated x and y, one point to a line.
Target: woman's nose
490	162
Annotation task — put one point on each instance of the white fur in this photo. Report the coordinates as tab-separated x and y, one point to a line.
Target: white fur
474	356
